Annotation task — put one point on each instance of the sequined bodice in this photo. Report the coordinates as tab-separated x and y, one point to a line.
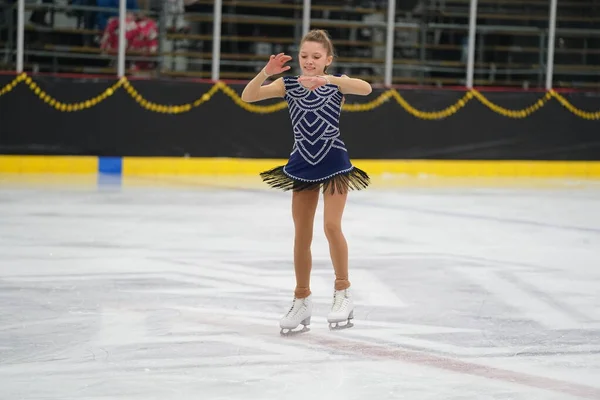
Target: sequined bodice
315	118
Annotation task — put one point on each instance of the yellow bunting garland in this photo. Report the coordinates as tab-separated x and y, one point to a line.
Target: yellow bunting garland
271	108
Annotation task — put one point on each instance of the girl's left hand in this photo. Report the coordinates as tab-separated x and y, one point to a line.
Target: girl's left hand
313	82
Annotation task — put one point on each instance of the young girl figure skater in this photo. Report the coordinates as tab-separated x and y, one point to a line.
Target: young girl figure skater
319	160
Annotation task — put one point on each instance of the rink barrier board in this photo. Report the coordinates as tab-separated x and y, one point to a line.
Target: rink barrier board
60	116
49	164
153	166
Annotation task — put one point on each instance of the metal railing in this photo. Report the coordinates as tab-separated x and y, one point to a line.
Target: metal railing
470	69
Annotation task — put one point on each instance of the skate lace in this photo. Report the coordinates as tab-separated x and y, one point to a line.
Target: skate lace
297	305
339	300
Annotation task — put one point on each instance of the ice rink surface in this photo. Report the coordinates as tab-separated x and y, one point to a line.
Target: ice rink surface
172	288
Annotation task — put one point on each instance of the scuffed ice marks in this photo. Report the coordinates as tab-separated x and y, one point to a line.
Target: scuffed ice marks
41	323
165	293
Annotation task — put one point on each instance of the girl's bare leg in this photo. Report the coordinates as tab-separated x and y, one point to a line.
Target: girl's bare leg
334	204
304	206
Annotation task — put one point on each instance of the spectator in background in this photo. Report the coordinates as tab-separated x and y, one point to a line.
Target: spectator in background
84	17
38	16
141	39
174	13
175	16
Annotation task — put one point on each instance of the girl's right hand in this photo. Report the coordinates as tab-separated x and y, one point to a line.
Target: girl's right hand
276	64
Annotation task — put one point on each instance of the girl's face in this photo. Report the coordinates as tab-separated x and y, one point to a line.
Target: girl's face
314	58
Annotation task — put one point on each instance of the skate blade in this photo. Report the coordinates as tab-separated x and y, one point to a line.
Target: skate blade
335	326
288	332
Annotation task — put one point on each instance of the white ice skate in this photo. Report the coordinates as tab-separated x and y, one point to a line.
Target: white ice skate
299	313
342	310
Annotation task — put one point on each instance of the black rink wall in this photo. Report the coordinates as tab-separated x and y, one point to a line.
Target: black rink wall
119	126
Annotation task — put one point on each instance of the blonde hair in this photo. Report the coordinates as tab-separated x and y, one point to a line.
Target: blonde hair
320	36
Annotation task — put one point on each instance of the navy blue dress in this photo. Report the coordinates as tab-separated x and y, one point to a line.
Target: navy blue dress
319	157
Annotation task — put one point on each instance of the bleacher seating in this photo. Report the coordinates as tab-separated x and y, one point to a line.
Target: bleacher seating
430	40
